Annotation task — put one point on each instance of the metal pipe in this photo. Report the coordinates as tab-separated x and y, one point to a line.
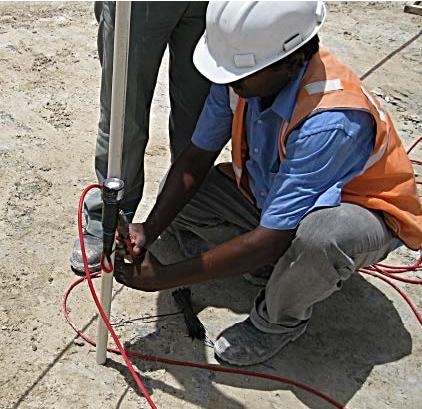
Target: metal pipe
117	122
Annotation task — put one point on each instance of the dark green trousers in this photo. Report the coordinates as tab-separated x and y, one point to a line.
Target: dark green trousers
154	26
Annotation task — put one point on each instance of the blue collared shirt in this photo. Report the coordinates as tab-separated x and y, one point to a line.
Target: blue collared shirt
324	153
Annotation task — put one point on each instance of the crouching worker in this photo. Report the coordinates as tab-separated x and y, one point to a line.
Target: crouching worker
319	184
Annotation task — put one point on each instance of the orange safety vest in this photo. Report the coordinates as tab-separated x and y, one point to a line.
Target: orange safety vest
387	182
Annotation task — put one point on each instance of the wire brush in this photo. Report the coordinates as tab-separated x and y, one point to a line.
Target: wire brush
196	329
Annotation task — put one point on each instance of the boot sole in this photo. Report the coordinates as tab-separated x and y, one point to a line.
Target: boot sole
262	359
92	269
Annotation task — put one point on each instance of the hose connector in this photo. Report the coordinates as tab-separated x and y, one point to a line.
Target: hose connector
112	194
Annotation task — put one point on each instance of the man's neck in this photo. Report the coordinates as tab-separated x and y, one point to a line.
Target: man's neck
266	102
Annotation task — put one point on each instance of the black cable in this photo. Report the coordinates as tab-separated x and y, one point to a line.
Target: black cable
392	54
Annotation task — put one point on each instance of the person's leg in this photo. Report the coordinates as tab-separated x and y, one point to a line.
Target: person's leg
217	213
330	244
151	26
188	88
98	11
148	38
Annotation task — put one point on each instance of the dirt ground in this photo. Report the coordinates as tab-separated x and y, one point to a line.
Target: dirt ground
363	347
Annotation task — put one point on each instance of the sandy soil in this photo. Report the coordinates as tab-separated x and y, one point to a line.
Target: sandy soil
364	345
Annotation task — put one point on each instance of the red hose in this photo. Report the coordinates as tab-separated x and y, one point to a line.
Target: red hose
216	368
380	271
126	353
210	367
414	145
98	304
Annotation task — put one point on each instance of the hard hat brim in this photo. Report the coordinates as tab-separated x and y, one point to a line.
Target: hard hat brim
208	67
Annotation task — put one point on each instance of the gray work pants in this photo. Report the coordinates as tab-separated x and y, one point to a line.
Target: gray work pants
154	26
330	244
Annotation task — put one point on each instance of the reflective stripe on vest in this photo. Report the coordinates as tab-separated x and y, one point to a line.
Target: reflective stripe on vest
381	113
322	87
237	171
233	98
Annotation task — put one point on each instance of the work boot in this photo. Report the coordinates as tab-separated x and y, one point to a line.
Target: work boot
260	277
243	344
93	248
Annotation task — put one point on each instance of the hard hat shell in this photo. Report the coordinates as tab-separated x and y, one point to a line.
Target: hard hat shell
243	37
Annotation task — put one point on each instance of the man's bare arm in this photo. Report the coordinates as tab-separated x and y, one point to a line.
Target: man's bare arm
243	254
183	180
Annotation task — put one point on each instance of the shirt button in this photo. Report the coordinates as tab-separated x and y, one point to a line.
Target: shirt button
256	150
259	121
262	193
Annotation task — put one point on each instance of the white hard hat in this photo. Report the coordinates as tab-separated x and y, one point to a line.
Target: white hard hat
244	37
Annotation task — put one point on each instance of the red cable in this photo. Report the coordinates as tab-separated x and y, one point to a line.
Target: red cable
401	292
376	270
98	304
391	271
384	272
211	367
414	145
415	266
125	353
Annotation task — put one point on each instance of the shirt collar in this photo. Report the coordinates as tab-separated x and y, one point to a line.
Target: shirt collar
285	101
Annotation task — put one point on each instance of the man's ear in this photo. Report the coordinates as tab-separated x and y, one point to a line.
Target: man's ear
292	64
295	63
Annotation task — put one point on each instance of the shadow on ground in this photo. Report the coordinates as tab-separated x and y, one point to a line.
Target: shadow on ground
351	332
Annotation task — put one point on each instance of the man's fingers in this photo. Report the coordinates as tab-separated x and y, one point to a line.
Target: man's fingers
119	266
137	250
123	272
127	274
120	280
139	254
122	254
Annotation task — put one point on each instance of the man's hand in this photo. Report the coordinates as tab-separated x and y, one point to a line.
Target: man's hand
133	245
143	276
138	238
240	255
